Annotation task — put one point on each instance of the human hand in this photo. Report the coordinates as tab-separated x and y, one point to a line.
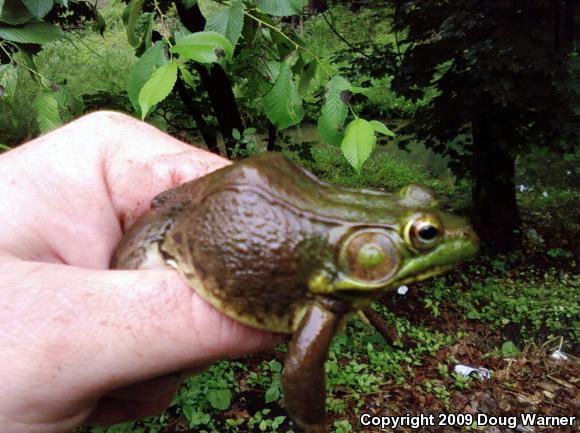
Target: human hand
80	343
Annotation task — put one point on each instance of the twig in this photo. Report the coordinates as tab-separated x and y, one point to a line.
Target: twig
342	38
296	44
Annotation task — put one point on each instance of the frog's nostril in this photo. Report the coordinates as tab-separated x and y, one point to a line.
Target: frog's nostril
465	233
469	233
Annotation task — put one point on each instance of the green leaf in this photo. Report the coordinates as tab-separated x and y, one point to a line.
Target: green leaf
188	4
334	110
358	143
38	8
381	128
31	33
273	392
282	104
186	76
47	114
204	47
27	59
275	366
228	22
260	77
68	103
151	60
8	80
281	8
136	6
144	28
4	147
361	90
219	398
509	350
14	12
157	87
99	23
308	73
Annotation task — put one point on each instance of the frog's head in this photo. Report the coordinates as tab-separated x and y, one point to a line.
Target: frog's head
405	238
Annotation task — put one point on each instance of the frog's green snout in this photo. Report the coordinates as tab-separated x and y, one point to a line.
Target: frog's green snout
466	236
466	233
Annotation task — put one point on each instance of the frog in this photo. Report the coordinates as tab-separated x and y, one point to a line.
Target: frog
270	245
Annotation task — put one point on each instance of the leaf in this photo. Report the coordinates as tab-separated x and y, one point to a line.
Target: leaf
14	12
381	128
186	76
188	4
99	23
358	143
151	60
361	90
260	77
136	6
157	87
509	350
47	114
334	110
273	392
38	8
282	104
67	102
4	147
204	47
228	22
275	366
8	80
281	8
219	398
27	59
32	33
144	28
308	73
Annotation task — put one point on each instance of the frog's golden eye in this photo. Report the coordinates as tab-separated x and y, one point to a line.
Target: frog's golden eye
423	232
369	255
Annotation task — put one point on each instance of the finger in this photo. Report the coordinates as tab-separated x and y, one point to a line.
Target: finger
152	389
90	332
98	174
112	410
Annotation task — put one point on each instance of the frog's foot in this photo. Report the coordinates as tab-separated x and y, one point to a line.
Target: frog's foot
304	378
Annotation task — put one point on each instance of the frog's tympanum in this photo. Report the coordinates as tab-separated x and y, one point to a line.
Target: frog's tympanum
270	245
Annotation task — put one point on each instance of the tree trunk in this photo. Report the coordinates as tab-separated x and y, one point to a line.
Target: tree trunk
497	219
207	132
223	102
215	82
272	135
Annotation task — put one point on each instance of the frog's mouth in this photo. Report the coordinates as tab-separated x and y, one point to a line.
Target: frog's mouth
443	258
363	298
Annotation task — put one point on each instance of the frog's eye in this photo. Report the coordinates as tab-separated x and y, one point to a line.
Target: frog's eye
369	256
423	232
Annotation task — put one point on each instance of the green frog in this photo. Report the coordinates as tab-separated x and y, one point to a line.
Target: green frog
270	245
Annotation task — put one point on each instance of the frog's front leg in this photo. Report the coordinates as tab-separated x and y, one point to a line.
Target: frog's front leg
303	380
